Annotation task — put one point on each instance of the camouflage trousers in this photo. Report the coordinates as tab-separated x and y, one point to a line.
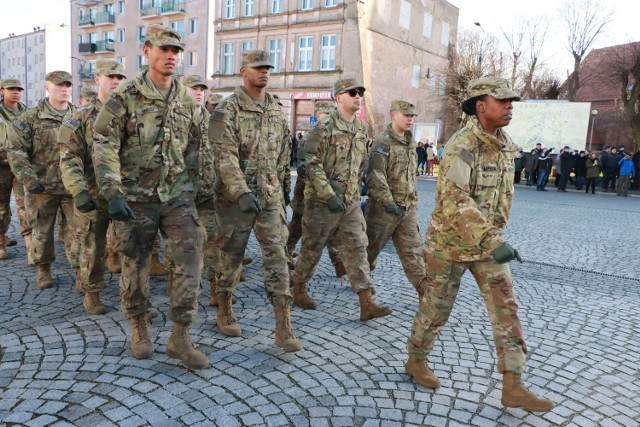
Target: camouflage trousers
349	231
91	233
114	245
178	221
496	288
6	184
42	210
233	231
405	232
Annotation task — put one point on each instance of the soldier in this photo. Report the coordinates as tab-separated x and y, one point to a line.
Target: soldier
336	150
10	109
75	138
250	138
473	200
140	140
391	210
212	102
35	159
87	93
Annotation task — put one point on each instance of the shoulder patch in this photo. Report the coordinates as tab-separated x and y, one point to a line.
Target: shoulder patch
19	124
70	123
466	156
217	115
114	106
382	151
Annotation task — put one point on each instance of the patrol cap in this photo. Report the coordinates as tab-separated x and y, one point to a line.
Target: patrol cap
57	77
256	58
497	87
11	83
109	67
404	107
160	35
214	98
321	107
346	84
193	81
88	91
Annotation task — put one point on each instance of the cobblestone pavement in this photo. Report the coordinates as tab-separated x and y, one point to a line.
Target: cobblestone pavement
578	292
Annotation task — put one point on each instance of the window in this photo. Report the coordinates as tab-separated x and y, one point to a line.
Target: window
275	53
121	35
227	58
120	59
427	24
93	37
41	38
108	8
141	34
248	8
276	6
178	26
329	3
404	19
305	53
245	47
80	38
328	52
138	62
107	36
121	6
193	26
230	9
193	58
307	4
444	37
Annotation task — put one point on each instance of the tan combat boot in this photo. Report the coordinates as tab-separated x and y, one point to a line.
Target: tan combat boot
92	303
44	276
27	243
340	270
516	395
113	262
368	307
181	347
421	373
301	298
3	251
284	335
8	242
141	346
213	299
151	314
157	269
226	319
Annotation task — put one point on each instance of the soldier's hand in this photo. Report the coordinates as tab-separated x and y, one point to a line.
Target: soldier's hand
249	203
505	253
335	204
36	188
84	202
119	210
393	209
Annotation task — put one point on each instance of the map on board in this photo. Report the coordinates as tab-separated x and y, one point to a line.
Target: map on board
552	123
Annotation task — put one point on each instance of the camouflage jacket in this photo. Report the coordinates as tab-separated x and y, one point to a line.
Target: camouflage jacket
33	147
7	116
473	195
252	147
140	142
335	159
391	177
199	158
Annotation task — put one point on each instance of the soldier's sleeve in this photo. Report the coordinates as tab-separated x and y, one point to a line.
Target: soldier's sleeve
316	143
72	151
108	131
459	207
224	140
206	159
376	178
19	147
284	172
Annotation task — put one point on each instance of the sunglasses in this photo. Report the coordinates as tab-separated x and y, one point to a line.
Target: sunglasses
353	92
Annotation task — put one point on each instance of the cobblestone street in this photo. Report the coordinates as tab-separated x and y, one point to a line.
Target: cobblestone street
578	290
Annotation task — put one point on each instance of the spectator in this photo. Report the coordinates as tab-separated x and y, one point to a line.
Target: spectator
593	171
431	157
294	150
636	164
581	170
609	166
626	172
543	166
566	164
519	165
440	150
422	158
529	161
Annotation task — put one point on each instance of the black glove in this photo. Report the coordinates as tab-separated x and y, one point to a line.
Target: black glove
393	209
336	204
36	188
505	253
249	203
118	208
84	202
287	199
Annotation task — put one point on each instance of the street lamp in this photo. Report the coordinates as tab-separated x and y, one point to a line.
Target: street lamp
477	24
593	121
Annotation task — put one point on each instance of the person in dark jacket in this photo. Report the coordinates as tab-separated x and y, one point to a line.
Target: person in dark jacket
543	165
422	159
529	161
609	167
518	163
593	172
567	163
636	164
580	170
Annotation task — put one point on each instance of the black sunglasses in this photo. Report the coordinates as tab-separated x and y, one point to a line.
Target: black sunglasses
353	92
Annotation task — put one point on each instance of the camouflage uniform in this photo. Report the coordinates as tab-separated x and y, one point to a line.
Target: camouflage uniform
473	201
140	142
391	179
34	157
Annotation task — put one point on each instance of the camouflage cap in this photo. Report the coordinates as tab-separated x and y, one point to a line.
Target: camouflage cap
404	107
160	35
109	67
193	81
11	83
88	91
323	107
57	77
344	85
497	87
214	98
256	58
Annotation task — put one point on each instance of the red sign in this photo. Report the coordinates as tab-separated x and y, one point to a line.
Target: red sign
322	94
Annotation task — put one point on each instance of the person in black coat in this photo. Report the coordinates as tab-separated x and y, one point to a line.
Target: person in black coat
567	163
581	170
543	165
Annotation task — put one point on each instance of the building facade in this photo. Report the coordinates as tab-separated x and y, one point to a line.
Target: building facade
116	28
399	49
29	57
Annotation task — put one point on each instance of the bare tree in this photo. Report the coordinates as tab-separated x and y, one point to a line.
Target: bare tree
534	70
585	20
515	38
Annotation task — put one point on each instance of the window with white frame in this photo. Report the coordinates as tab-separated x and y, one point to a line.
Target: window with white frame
275	54
178	26
307	4
121	35
139	62
121	6
193	26
444	36
276	6
192	58
227	58
230	9
245	47
141	33
107	36
248	9
305	53
427	25
328	52
329	3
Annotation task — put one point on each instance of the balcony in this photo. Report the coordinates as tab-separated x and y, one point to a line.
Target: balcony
86	74
102	18
97	47
88	2
166	7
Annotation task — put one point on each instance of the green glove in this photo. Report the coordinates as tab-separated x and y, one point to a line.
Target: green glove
249	203
393	209
118	208
84	202
36	188
335	204
505	253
